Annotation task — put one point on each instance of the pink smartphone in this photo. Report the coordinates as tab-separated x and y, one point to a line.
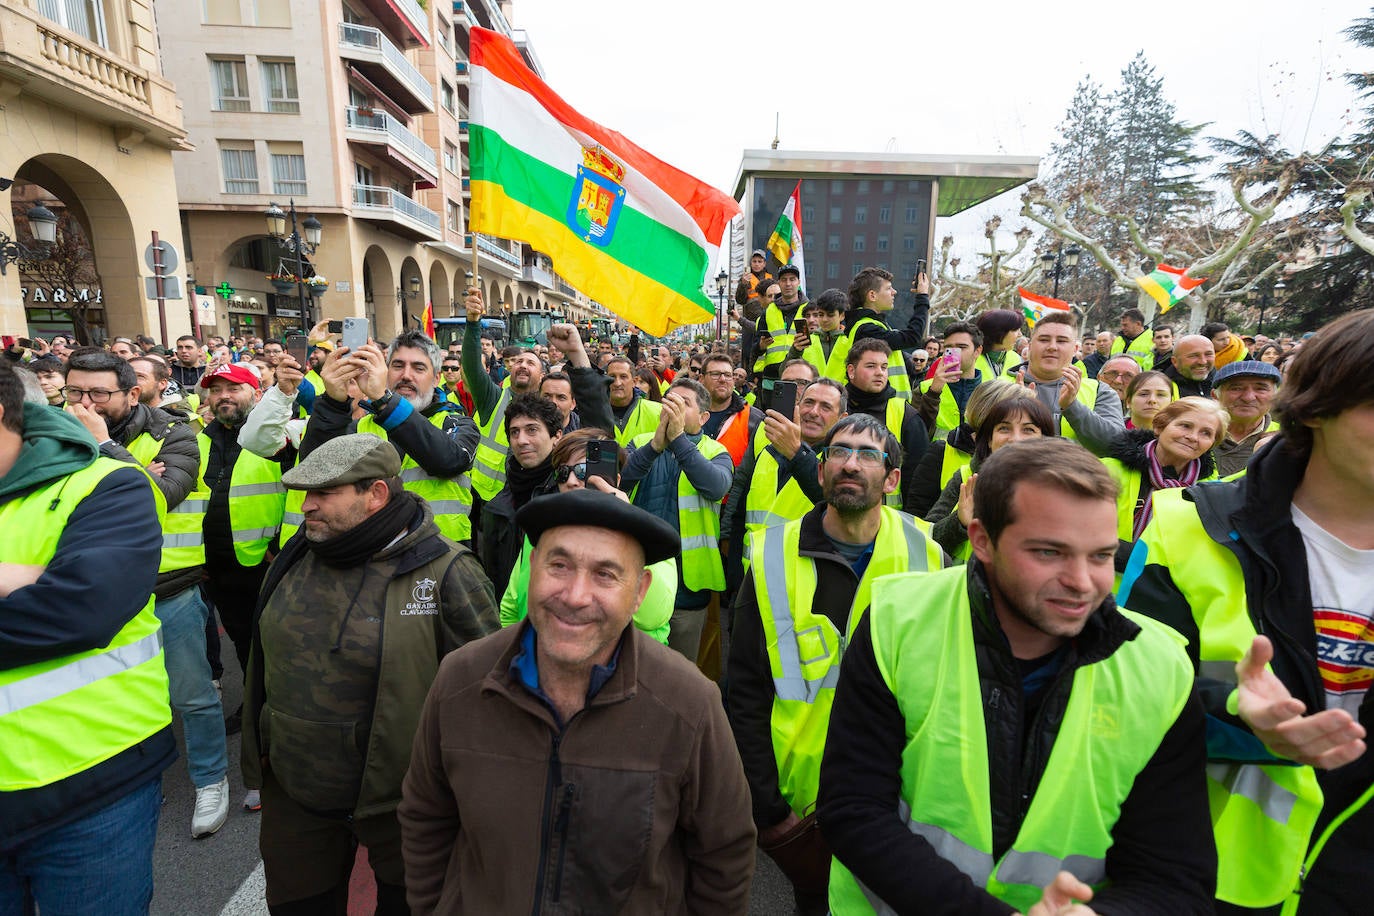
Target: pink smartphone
951	357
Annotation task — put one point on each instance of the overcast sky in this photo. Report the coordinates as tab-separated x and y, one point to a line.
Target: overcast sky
698	82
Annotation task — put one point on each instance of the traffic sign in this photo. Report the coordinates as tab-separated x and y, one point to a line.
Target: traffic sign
170	258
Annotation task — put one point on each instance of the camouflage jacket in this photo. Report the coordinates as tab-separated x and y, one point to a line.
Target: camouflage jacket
435	599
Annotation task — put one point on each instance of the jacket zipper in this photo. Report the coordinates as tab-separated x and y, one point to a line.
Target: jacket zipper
561	829
555	778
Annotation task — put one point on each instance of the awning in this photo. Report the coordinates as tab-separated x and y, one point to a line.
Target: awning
420	36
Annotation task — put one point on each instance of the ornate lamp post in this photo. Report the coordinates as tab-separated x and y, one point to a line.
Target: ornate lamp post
1056	262
297	245
722	283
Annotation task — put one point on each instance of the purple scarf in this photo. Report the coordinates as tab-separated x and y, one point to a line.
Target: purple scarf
1188	476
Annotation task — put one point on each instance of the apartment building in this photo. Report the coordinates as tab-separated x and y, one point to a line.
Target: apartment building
88	127
356	112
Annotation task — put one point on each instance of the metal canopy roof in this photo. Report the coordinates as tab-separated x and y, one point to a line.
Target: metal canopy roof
965	181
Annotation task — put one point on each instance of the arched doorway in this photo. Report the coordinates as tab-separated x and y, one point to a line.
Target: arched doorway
88	283
410	295
438	290
379	293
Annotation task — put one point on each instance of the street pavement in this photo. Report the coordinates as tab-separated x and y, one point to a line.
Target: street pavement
221	875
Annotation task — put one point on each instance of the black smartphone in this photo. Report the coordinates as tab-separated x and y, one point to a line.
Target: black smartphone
298	348
25	342
336	326
785	399
603	460
920	266
799	325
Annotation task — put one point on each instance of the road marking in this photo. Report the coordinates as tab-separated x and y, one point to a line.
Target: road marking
251	897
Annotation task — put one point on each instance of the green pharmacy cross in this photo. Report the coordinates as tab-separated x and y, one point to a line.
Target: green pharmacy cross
225	290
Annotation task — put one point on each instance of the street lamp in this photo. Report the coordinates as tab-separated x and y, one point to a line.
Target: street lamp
722	283
1265	299
1056	262
43	225
297	245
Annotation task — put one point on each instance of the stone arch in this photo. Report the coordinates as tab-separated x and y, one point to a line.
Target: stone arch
439	290
410	307
506	296
379	293
97	206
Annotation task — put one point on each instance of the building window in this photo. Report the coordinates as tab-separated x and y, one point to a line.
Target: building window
836	215
836	186
885	214
860	215
451	157
882	243
863	185
858	266
240	163
911	213
888	186
230	79
84	17
860	243
833	242
272	13
279	86
808	214
832	270
455	217
288	169
908	243
448	97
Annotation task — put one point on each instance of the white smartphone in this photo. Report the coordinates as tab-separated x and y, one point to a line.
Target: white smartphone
354	333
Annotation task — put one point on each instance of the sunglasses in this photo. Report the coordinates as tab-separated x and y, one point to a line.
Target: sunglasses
563	471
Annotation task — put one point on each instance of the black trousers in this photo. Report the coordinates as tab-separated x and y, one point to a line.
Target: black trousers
233	589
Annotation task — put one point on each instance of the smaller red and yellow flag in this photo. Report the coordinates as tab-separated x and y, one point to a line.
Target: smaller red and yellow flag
427	320
1034	307
1167	285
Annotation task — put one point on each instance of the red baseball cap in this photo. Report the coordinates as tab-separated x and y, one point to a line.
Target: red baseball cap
232	372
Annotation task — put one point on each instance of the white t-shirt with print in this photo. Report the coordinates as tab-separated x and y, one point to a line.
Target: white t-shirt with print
1342	580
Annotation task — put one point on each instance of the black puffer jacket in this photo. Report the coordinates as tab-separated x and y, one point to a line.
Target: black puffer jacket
925	488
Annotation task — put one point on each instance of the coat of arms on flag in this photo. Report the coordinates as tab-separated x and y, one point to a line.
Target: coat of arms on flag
597	196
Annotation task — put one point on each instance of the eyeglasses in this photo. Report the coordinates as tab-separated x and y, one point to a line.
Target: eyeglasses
453	368
97	395
721	373
868	457
693	368
564	471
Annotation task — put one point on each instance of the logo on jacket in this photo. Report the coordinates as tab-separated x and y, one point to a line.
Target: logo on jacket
422	596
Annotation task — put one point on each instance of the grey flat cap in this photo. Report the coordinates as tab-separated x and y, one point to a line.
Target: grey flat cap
347	459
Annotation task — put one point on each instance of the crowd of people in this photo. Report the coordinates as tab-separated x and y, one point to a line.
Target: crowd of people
1003	620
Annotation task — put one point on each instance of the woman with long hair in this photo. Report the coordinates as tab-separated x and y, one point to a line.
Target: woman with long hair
1146	395
647	382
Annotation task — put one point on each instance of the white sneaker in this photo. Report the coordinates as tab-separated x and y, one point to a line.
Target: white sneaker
252	801
212	808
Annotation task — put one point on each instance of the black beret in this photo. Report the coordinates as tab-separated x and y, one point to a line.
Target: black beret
595	509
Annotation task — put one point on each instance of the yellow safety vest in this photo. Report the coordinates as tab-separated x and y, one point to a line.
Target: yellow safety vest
948	418
1262	816
924	647
1142	349
183	527
780	331
1087	396
952	461
805	647
63	716
897	375
489	464
257	502
698	523
449	497
642	419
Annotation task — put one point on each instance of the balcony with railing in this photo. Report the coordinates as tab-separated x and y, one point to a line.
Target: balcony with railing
378	127
408	16
386	66
387	205
533	273
497	251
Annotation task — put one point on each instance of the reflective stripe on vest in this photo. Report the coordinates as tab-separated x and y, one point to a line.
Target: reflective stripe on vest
450	499
805	647
764	504
55	715
1261	837
183	527
489	463
780	334
925	651
1141	349
257	502
893	415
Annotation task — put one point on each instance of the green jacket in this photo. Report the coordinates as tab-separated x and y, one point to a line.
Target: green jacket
437	599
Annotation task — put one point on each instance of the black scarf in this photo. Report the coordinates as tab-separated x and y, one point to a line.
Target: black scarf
524	483
360	543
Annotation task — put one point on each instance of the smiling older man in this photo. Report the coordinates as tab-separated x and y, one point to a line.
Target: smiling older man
521	756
